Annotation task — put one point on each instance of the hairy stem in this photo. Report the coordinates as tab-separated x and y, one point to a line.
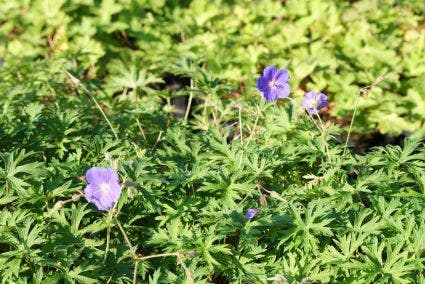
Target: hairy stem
252	132
240	124
189	103
324	136
135	272
352	122
132	250
78	83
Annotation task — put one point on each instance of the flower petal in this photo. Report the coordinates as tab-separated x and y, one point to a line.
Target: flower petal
281	76
251	213
90	192
97	175
312	110
102	206
310	95
262	84
283	91
93	175
271	95
269	72
323	101
105	201
110	175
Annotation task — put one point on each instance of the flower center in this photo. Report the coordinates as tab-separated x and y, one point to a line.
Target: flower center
273	84
104	187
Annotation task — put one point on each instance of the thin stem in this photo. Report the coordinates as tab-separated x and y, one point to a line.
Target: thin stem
240	124
352	122
132	250
189	274
158	255
104	115
108	231
214	115
255	124
141	258
295	106
157	139
77	82
126	238
58	205
364	90
141	128
108	237
321	128
294	103
189	103
179	257
135	272
272	193
314	121
204	112
324	136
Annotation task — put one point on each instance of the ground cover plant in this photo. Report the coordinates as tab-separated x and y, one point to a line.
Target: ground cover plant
206	142
333	46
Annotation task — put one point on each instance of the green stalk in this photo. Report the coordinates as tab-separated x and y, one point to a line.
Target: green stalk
240	124
352	122
77	83
189	103
324	135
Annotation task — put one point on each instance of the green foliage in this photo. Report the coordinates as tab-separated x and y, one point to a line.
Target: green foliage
326	213
333	46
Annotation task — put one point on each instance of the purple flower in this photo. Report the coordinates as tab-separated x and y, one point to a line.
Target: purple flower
274	84
251	213
103	188
313	102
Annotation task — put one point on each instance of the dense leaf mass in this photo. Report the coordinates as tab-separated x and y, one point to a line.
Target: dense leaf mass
98	84
332	46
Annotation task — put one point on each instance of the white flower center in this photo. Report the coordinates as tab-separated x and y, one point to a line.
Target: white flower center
104	187
273	84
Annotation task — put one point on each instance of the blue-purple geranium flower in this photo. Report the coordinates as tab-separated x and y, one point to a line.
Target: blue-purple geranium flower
313	102
251	213
103	188
274	84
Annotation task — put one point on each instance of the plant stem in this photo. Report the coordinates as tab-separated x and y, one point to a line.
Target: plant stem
135	272
141	129
352	122
251	136
104	115
133	253
77	82
158	255
178	255
108	237
295	106
204	112
240	124
324	136
314	121
189	103
364	90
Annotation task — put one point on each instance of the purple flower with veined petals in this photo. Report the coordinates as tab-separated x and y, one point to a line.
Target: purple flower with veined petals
103	188
251	213
313	102
274	84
